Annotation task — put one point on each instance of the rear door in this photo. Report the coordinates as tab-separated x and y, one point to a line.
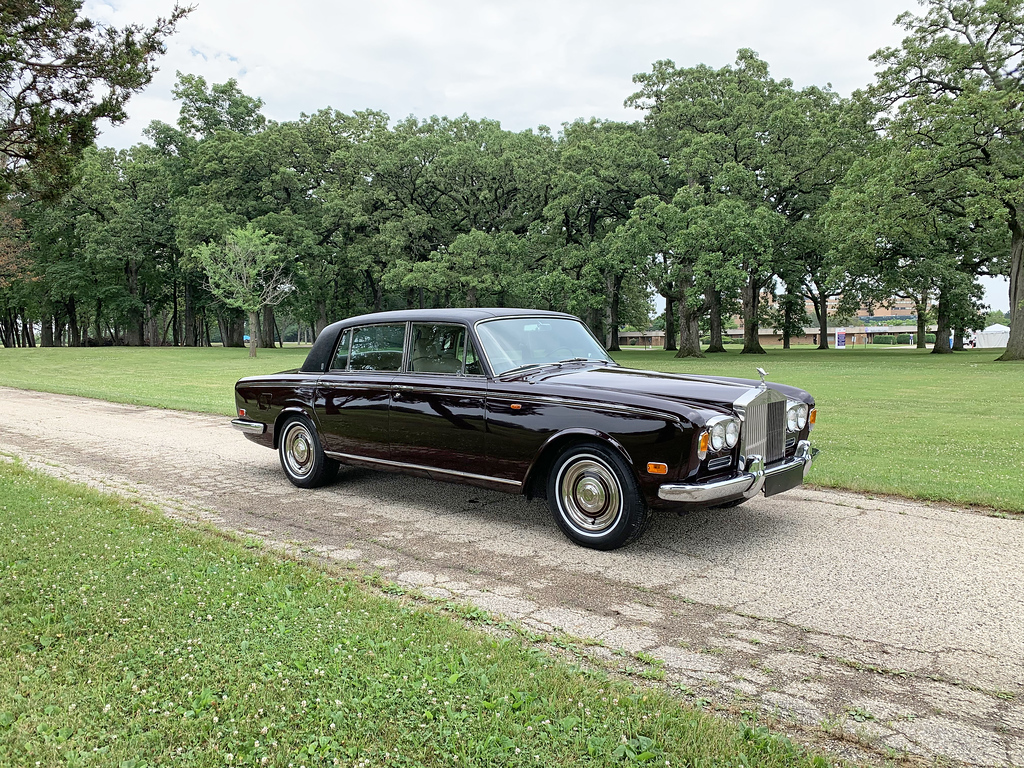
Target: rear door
355	394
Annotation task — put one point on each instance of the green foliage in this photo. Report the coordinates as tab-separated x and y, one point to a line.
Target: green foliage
60	73
248	271
929	338
883	338
903	338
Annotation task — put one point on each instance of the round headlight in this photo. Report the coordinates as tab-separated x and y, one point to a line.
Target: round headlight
732	433
801	416
792	420
718	436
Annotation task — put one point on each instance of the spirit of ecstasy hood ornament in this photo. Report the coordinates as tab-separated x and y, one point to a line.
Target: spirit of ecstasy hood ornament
763	373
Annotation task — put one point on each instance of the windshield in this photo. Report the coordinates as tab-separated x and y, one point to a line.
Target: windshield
528	342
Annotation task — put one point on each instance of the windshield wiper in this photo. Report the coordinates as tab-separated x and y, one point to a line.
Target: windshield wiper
526	367
582	360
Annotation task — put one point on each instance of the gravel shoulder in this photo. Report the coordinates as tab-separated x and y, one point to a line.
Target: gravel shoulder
884	627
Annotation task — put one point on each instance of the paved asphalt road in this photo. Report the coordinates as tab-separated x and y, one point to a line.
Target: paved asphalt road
876	626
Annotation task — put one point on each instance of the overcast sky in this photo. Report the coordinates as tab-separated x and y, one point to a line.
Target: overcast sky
525	63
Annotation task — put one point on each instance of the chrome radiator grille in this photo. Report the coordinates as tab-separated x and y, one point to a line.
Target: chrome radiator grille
764	426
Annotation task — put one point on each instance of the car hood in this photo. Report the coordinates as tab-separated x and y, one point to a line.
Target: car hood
615	383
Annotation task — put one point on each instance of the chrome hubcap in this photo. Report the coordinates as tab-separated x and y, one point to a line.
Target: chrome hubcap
589	494
297	446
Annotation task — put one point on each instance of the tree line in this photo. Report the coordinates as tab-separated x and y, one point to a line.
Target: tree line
733	192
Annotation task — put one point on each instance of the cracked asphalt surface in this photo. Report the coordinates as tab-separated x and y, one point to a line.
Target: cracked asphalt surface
878	627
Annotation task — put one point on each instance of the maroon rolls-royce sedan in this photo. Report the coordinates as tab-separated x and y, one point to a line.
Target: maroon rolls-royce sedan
529	402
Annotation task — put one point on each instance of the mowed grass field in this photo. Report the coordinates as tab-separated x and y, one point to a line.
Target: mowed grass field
891	420
131	640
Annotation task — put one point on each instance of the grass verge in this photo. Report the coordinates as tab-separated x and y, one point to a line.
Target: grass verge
133	641
895	421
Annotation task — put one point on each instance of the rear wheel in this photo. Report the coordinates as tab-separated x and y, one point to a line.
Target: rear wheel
302	457
595	498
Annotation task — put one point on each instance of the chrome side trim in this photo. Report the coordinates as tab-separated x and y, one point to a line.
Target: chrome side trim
493	396
745	485
345	457
249	426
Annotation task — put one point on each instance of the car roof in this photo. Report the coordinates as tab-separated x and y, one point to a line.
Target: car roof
460	314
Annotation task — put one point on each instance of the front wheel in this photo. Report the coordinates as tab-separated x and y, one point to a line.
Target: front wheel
595	498
302	457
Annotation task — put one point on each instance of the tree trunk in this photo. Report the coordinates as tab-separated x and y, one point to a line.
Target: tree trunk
942	333
74	332
821	312
689	328
254	333
787	320
267	330
751	297
174	312
958	339
46	334
190	333
613	313
922	324
321	318
715	341
1015	345
670	323
134	331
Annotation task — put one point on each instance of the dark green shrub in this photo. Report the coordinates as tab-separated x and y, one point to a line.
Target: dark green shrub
883	339
903	338
929	338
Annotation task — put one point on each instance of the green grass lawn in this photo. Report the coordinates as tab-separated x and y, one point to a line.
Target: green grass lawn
134	641
891	420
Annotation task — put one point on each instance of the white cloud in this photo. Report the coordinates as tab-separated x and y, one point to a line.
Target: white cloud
524	63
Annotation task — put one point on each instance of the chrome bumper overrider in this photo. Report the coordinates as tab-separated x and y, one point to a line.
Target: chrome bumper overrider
745	485
249	426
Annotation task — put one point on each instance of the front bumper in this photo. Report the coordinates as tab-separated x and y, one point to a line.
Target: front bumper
756	478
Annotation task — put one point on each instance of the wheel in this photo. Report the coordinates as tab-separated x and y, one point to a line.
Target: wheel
302	456
595	498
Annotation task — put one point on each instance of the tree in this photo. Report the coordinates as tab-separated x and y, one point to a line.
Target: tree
758	158
60	73
956	84
248	272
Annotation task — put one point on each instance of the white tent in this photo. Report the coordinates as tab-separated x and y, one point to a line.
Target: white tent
994	336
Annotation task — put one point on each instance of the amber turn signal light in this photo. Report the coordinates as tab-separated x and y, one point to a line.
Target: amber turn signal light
702	446
812	416
657	468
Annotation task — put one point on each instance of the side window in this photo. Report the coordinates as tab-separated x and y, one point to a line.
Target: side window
377	348
341	356
473	365
436	348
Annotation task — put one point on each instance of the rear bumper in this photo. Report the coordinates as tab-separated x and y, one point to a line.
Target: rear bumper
248	425
748	484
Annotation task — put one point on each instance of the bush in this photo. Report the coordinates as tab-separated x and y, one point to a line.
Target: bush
883	339
903	338
929	338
